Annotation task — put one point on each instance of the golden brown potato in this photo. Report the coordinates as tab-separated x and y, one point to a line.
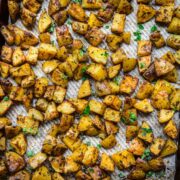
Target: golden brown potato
8	35
173	41
129	64
144	106
32	56
145	13
14	9
71	166
129	102
60	17
165	115
96	107
79	27
85	89
131	132
5	69
6	54
45	38
137	174
49	92
12	131
80	175
14	161
143	1
118	56
157	39
106	163
85	123
41	104
143	63
156	164
5	105
157	146
150	73
40	86
48	145
23	174
124	7
113	71
51	112
129	116
169	56
66	108
18	57
174	26
112	115
113	101
171	129
96	4
164	2
57	163
93	21
175	100
111	128
128	84
103	88
41	173
137	146
177	12
109	142
144	48
49	66
35	114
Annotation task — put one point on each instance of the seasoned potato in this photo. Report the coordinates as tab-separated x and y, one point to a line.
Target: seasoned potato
48	146
150	73
129	102
85	89
106	163
33	5
164	2
145	132
112	115
164	14
37	160
66	108
124	7
6	54
19	143
126	37
59	94
129	64
14	161
137	174
119	56
103	88
77	12
32	55
60	17
145	90
174	26
177	12
23	174
156	164
90	156
8	35
5	69
145	13
41	173
40	86
97	71
93	21
45	38
170	148
137	147
18	57
96	107
111	128
173	41
129	116
113	41
128	84
14	9
131	132
4	122
46	51
113	71
169	56
51	112
123	159
2	143
157	146
118	23
109	142
143	1
41	104
171	129
143	63
3	169
175	100
71	166
113	101
79	27
35	114
157	39
85	123
165	115
62	53
5	105
49	66
96	4
144	48
80	175
57	163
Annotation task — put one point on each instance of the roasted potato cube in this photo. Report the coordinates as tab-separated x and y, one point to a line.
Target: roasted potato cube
8	35
131	132
124	7
123	159
175	100
85	123
171	129
113	101
106	163
113	41
177	12
44	22
23	174
145	132
3	169
129	116
33	5
164	2
111	128
145	90
103	88
62	53
51	112
71	166
66	108
164	14
45	37
41	104
157	39
119	56
49	66
5	69
137	146
156	164
5	105
2	143
96	107
14	10
6	54
174	26
19	144
48	145
143	63
128	84
32	56
157	146
93	21
24	70
80	175
112	115
40	86
165	115
35	114
172	76
59	94
113	71
57	163
144	48
118	23
4	122
145	13
96	4
85	89
129	102
109	142
97	71
41	173
173	41
90	156
129	64
2	94
46	51
170	148
144	1
137	174
37	160
79	27
60	17
169	56
18	57
14	161
12	131
150	73
49	92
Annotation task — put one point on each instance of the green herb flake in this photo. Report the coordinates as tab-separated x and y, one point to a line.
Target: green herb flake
64	77
30	154
160	174
82	51
137	33
140	26
146	130
86	110
69	22
123	119
24	130
146	155
10	148
150	174
132	117
53	43
84	77
99	146
175	109
91	170
83	70
153	28
138	38
104	8
6	98
106	54
52	27
88	143
117	80
141	65
77	1
121	175
107	27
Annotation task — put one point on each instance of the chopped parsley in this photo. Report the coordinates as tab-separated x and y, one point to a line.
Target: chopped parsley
82	51
132	117
64	76
121	175
150	174
27	130
146	130
160	174
91	170
99	146
175	109
138	38
6	98
140	26
77	1
123	119
10	148
83	70
141	65
117	80
146	155
88	143
84	77
137	34
106	54
153	28
86	110
52	27
107	27
53	43
30	154
69	22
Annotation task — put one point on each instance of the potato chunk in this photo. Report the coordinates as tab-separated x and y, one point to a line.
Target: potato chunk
174	26
129	64
124	7
32	56
85	89
5	105
113	101
165	115
143	63
49	66
171	129
137	147
96	107
41	173
66	108
144	48
18	57
109	142
144	106
113	71
131	132
164	2
119	56
96	4
157	39
173	41
157	146
107	163
79	27
6	54
112	115
85	123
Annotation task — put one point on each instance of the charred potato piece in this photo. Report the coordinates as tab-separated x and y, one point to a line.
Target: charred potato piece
49	92
131	132
60	17
33	5
12	131
165	115
171	129
157	146
79	27
48	145
150	73
14	9
80	175
41	173
2	144
129	64
96	4
129	102
3	168
173	41
107	163
157	39
124	7
62	53
6	54
144	48
109	142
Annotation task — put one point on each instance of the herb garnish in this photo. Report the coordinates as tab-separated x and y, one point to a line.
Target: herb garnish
52	27
117	80
91	170
121	175
150	174
99	146
141	65
146	155
82	51
140	26
30	154
69	22
88	143
123	119
153	28
83	70
146	130
132	117
107	27
77	1
86	110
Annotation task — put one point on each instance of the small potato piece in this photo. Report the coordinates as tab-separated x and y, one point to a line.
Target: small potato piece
128	84
14	10
170	148
51	112
145	13
44	22
103	88
119	56
144	48
57	163
175	100
137	174
97	71
107	163
123	159
129	102
14	161
85	123
124	7
126	37
111	128
18	57
41	173
71	166
24	70
144	106
46	51
8	35
4	122
3	169
165	115
129	64
32	56
19	144
157	146
79	27
96	4
49	66
5	69
23	174
45	37
12	131
93	21
174	26
112	115
157	39
109	142
118	23
145	133
143	1
150	73
113	101
164	2
35	114
98	55
137	147
173	41
145	90
129	116
96	107
143	63
57	176
37	160
164	14
59	94
5	106
2	144
41	104
131	132
6	54
169	56
60	17
113	71
66	108
85	89
171	129
156	164
62	53
90	156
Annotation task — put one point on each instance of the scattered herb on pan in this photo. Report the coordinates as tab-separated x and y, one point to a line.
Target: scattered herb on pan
153	28
6	98
117	80
146	155
121	175
99	146
160	174
83	70
64	76
52	27
141	65
30	153
69	22
88	143
86	110
123	119
77	1
146	131
140	26
106	27
91	170
132	117
150	174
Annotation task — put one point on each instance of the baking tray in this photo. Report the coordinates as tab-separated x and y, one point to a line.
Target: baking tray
172	162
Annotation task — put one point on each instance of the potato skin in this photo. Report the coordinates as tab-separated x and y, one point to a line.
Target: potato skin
14	9
23	174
